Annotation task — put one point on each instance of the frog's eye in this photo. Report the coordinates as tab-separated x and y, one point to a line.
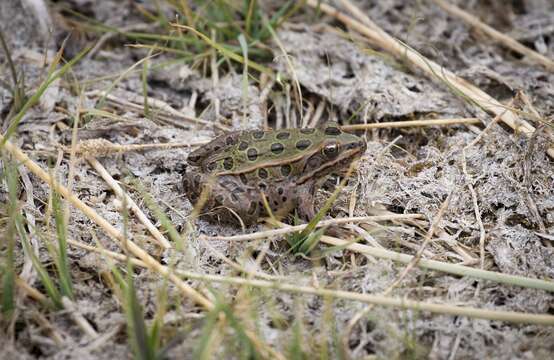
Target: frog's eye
331	150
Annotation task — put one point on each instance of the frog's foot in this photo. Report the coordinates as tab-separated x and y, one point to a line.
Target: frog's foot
306	209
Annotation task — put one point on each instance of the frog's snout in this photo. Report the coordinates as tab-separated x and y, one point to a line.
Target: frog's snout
362	145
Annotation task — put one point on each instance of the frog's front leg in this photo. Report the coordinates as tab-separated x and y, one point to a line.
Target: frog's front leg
305	201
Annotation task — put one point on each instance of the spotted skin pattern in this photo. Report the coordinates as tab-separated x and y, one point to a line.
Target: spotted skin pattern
237	170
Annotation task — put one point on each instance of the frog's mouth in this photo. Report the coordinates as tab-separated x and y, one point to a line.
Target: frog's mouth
341	161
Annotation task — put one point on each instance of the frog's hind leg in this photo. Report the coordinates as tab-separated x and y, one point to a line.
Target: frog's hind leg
233	202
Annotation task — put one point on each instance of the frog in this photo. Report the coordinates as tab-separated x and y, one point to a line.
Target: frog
244	172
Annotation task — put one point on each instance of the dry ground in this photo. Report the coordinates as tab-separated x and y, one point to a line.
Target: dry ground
500	189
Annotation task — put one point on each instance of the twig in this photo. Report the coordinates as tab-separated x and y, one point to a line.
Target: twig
160	239
103	147
413	123
503	39
417	257
442	266
413	263
155	103
29	290
79	319
510	316
289	229
482	233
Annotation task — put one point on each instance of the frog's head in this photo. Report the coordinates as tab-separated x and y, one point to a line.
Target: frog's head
336	150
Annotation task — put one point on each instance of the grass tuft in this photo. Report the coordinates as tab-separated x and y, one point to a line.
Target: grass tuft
51	76
7	268
18	89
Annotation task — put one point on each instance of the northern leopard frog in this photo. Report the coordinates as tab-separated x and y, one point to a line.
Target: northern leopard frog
284	165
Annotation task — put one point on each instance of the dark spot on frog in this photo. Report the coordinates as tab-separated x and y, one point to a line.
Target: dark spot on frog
243	179
212	166
262	186
351	146
286	170
228	163
197	180
307	131
262	173
280	191
258	134
252	208
230	140
277	148
283	135
332	131
315	161
186	184
303	144
194	158
284	199
243	145
252	154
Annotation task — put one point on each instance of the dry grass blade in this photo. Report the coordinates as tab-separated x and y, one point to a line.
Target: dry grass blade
30	291
417	257
154	103
79	318
503	39
395	256
160	239
103	147
290	229
524	318
442	266
413	123
123	242
100	221
380	38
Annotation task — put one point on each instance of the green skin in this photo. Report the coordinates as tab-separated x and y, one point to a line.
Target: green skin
285	165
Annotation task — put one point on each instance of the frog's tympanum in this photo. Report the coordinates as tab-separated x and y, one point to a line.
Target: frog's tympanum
285	165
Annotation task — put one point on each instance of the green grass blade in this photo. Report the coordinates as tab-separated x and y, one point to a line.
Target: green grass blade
251	14
247	349
154	336
226	52
43	275
51	77
144	79
61	260
295	348
136	325
203	349
305	240
244	85
9	175
18	90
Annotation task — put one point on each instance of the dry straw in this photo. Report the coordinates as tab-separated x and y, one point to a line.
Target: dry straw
378	37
